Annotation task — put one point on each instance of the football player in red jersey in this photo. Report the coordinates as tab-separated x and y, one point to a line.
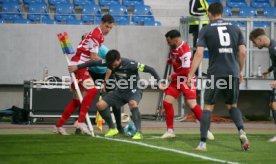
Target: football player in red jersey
87	50
181	61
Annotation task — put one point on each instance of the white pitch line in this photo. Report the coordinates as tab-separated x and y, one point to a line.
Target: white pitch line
170	150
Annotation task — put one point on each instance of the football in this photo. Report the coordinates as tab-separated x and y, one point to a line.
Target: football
130	129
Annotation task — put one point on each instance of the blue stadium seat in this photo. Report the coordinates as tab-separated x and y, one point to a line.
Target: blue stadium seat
269	12
36	10
81	3
227	12
74	22
11	11
108	2
47	20
28	2
21	21
261	24
236	3
11	1
132	3
89	13
117	10
142	13
152	23
98	19
64	12
1	21
122	20
247	12
260	3
238	23
212	1
57	2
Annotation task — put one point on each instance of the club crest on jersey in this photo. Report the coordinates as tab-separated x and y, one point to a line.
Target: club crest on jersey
133	90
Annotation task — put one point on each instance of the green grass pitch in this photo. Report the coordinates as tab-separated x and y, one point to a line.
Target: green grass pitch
51	149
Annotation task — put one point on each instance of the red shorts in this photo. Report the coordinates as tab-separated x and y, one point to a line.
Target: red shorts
174	90
81	76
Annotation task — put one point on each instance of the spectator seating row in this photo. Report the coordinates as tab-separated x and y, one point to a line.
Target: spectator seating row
65	13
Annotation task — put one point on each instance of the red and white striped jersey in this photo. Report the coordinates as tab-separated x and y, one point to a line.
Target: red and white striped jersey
181	60
91	43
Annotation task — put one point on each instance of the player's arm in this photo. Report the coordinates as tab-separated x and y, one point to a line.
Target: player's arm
94	56
241	59
264	74
148	69
73	68
242	54
196	61
198	56
108	74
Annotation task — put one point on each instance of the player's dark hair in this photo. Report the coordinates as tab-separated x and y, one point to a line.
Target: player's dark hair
108	19
173	34
111	56
215	8
255	33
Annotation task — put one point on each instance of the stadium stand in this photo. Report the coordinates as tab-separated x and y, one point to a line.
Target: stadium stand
82	3
89	12
120	14
126	12
260	3
64	12
76	11
236	3
10	11
109	2
57	2
36	10
269	12
28	2
21	20
132	3
247	12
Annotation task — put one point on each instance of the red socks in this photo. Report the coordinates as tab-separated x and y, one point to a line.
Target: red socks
86	103
197	111
169	114
68	111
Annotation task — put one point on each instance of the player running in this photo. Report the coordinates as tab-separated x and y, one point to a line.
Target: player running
261	40
181	61
126	74
87	50
226	47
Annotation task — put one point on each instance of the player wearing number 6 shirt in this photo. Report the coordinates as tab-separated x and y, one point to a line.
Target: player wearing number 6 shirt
226	47
181	61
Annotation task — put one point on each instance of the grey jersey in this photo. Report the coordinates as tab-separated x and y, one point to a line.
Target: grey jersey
222	40
126	72
272	54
